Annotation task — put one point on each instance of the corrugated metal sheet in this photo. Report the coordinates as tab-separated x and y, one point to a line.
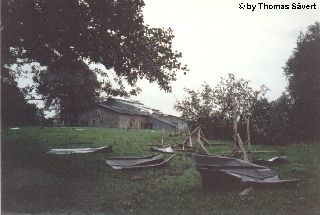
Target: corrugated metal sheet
122	107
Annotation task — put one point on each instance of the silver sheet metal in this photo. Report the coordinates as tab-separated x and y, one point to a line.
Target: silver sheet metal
137	162
232	169
79	150
163	149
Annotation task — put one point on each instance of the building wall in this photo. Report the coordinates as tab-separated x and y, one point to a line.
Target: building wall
102	117
139	122
123	121
132	121
157	124
99	117
179	123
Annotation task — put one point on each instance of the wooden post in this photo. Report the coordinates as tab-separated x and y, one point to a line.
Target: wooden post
248	134
162	136
190	139
245	157
192	133
200	143
203	137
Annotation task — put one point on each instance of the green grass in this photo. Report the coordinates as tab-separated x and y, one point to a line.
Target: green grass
35	182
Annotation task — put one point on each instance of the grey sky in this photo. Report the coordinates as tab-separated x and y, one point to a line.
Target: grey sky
217	38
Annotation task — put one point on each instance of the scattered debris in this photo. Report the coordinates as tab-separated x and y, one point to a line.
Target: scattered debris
80	150
272	161
245	191
183	148
163	149
225	172
14	128
200	142
243	150
137	162
200	137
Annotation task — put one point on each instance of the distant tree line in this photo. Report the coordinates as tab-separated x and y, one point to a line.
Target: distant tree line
294	116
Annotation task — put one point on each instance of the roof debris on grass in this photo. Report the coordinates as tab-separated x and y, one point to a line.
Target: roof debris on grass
80	150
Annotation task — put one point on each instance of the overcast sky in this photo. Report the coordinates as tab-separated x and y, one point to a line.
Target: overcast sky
217	38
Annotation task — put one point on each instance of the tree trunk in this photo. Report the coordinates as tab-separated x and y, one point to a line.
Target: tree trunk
235	123
248	134
245	157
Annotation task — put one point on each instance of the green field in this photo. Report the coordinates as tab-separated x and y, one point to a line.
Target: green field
35	182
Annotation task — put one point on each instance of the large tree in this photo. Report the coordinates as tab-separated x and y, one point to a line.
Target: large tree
69	86
303	72
15	110
56	33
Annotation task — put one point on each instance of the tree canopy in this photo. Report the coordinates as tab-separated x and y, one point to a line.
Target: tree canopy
107	32
15	111
228	95
303	72
215	107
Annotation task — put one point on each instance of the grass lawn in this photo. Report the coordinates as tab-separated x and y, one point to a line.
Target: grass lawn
36	182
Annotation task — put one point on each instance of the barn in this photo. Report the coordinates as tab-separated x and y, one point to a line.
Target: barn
119	113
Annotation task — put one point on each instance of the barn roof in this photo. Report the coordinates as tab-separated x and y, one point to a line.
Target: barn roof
133	108
126	107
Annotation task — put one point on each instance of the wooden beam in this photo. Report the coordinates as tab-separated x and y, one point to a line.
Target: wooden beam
203	137
262	152
162	136
192	133
200	143
245	156
190	139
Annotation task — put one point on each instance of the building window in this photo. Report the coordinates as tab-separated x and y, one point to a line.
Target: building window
130	124
93	122
141	125
101	122
98	112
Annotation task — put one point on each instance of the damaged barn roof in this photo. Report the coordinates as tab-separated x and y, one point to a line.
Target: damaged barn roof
133	108
126	107
127	163
219	171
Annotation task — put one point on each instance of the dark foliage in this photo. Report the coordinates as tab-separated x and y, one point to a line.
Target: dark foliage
270	121
303	72
60	34
69	86
15	110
